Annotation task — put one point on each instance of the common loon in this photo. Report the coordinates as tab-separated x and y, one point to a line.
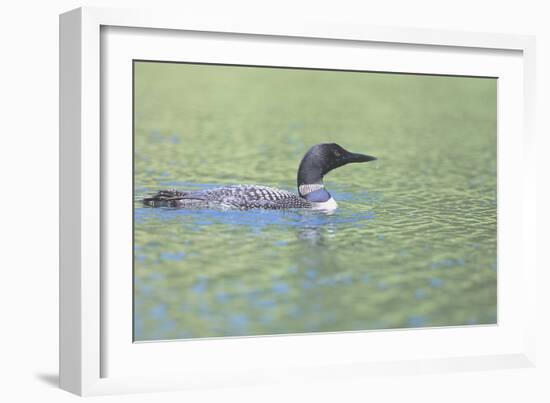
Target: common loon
316	163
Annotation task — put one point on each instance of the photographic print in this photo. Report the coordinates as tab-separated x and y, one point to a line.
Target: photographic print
280	200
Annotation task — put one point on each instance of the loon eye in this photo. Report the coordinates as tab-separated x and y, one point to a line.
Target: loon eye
337	153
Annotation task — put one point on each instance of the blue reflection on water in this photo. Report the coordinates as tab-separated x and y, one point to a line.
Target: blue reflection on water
159	310
417	321
239	322
222	297
200	286
172	255
280	288
255	219
311	274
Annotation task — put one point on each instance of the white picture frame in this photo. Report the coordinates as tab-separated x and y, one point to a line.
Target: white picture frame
96	356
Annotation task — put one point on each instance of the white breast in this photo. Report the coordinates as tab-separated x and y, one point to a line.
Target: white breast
330	204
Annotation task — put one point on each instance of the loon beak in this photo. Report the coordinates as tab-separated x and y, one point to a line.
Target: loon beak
354	157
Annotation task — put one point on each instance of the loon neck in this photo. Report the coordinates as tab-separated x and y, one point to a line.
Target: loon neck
315	193
310	181
309	172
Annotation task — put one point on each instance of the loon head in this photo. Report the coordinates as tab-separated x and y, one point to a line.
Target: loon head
317	162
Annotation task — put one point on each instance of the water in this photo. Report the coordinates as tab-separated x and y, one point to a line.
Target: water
413	243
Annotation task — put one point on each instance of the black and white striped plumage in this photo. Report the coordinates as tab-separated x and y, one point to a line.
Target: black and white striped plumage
312	194
240	197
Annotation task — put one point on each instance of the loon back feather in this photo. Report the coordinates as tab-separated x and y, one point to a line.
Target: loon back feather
234	197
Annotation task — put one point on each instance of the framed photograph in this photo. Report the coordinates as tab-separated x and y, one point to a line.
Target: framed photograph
249	202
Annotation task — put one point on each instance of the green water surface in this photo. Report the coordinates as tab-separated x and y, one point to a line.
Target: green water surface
413	243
